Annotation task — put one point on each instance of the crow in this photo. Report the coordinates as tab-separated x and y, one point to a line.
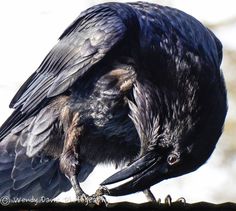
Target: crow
137	85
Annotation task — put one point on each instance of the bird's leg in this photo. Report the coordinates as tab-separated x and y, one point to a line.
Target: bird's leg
99	195
69	160
80	195
149	195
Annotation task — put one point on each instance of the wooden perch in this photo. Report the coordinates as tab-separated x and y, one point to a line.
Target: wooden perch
121	206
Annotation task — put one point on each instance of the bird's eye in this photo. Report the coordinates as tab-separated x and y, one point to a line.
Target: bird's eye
172	159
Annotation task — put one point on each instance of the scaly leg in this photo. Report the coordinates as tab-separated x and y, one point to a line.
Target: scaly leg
149	195
69	161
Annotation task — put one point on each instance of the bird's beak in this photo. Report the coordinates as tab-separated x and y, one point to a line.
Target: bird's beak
146	171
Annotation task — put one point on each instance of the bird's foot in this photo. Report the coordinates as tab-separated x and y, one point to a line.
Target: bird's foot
168	200
102	190
181	200
158	201
83	199
98	197
91	200
98	200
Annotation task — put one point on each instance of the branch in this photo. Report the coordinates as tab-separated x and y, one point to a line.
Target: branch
121	206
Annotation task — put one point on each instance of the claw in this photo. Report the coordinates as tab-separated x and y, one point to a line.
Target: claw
83	199
92	200
168	200
181	200
102	190
98	197
100	200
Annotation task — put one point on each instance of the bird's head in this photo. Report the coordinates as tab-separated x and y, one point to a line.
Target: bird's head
174	140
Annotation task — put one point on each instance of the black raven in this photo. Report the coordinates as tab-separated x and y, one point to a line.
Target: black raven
133	84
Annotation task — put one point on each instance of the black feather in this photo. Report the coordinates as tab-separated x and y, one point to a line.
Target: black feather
134	83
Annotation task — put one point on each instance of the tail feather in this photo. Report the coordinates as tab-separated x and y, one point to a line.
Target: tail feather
14	121
28	168
10	123
25	177
7	156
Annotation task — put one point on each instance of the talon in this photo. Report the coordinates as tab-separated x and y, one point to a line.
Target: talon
84	199
101	200
181	200
102	190
168	200
149	195
92	200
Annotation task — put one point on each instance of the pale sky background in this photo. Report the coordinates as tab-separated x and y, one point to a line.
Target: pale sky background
30	28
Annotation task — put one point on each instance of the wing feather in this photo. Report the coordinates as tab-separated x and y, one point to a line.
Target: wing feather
84	43
72	56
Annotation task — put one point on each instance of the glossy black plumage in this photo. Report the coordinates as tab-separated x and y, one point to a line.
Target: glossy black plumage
135	82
